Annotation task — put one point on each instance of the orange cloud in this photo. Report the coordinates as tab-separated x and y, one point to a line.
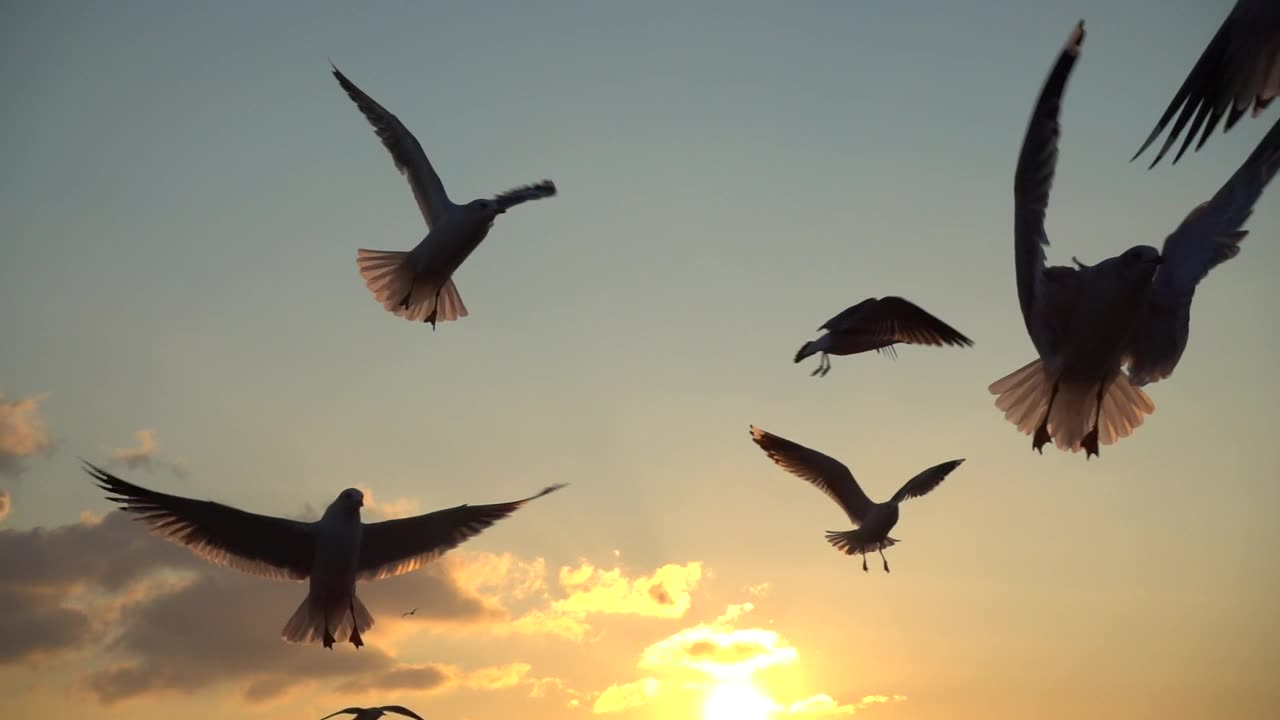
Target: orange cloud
22	433
140	456
621	697
665	593
822	705
390	510
718	650
5	503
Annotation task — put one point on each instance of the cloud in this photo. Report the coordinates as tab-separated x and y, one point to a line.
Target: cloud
622	697
665	593
6	502
146	453
22	433
397	508
822	705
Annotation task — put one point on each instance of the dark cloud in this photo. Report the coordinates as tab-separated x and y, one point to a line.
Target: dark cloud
421	678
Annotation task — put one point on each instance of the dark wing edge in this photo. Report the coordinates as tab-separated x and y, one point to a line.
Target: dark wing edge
900	319
271	547
822	471
1033	179
924	483
395	547
405	151
515	196
1208	237
400	710
344	711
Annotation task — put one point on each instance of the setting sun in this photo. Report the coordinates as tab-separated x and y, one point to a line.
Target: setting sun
737	701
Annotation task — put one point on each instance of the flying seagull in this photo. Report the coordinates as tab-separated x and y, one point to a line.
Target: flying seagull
411	612
418	285
1134	309
878	324
1239	69
332	552
374	713
872	521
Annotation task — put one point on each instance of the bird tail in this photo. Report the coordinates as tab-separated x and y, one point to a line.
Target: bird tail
1024	395
390	276
806	350
857	541
308	621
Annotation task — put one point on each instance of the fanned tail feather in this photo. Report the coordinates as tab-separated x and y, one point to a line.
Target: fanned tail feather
806	350
856	542
1023	395
308	621
389	276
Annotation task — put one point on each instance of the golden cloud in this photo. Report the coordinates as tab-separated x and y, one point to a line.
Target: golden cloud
621	697
665	593
823	705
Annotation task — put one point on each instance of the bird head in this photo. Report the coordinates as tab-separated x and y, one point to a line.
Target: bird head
350	499
485	209
1140	261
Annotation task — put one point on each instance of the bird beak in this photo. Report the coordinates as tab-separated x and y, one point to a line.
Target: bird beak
361	502
500	211
1159	260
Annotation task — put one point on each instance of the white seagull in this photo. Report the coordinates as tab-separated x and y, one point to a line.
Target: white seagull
374	713
872	521
878	324
418	285
332	552
1238	70
1134	309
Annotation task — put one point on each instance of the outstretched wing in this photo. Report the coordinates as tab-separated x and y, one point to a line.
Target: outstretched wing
395	547
272	547
1209	236
823	472
925	482
509	199
344	711
1032	182
400	710
896	320
1239	69
405	151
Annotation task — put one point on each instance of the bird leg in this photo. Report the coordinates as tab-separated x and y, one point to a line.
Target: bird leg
864	562
328	636
886	562
824	366
1042	432
1090	442
355	626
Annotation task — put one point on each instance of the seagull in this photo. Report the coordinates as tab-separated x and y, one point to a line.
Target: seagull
1134	308
878	324
1239	68
872	521
418	285
411	612
332	552
374	713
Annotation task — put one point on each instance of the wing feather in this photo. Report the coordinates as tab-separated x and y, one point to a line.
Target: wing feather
895	319
509	199
925	482
822	471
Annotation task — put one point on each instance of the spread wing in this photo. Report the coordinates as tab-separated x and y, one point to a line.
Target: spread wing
509	199
897	320
925	482
272	547
400	710
344	711
395	547
1032	182
823	472
1209	236
1239	69
405	151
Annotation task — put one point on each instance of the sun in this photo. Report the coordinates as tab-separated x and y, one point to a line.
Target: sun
737	700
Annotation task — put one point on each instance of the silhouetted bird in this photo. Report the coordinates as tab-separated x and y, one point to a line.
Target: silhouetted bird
1239	70
1134	309
411	612
418	285
879	324
374	713
872	521
332	552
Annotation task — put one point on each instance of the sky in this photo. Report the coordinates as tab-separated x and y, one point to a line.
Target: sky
182	195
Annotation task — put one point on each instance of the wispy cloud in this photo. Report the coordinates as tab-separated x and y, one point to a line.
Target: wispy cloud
665	593
5	503
822	705
23	433
146	455
622	697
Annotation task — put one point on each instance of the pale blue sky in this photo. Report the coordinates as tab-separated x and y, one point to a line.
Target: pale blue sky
185	188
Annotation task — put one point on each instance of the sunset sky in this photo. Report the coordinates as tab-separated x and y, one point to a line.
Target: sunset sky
182	193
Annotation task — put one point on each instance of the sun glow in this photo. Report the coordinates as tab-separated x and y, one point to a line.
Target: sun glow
737	700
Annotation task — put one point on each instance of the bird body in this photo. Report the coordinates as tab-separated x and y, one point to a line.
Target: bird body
878	324
1090	321
418	284
332	553
374	713
872	521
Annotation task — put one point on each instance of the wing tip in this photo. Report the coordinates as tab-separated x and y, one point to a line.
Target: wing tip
1076	38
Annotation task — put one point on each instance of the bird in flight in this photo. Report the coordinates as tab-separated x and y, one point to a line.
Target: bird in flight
878	324
411	612
332	552
872	521
374	713
1133	309
1238	72
418	284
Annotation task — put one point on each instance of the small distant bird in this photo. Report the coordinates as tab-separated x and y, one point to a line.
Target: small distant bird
418	285
411	612
1134	309
332	552
878	324
374	713
1238	70
872	521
